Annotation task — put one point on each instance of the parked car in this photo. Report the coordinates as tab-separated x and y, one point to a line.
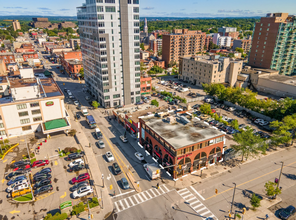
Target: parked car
196	106
83	191
79	185
76	103
41	183
77	116
258	120
43	171
125	184
76	162
116	168
43	189
109	156
41	177
264	123
19	184
241	126
13	174
40	163
74	156
26	168
232	109
77	168
139	156
123	139
16	179
80	178
20	163
287	212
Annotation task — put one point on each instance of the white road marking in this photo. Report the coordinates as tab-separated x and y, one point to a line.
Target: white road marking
161	189
121	204
154	159
152	192
157	191
161	166
168	173
140	198
197	193
142	193
202	214
148	194
165	187
201	209
123	194
127	203
136	198
132	202
147	152
117	206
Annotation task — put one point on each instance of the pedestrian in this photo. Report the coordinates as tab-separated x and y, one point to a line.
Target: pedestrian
157	185
266	216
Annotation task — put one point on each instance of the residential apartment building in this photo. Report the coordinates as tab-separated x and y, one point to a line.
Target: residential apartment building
273	46
110	45
16	25
209	69
29	104
244	44
181	42
144	54
228	32
74	43
222	41
156	45
146	84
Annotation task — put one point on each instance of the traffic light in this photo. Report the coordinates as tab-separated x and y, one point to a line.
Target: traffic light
216	191
244	211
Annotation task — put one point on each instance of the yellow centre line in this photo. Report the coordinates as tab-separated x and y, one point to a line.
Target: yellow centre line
250	181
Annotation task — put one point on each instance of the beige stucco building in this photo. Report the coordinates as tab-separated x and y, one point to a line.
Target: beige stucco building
209	69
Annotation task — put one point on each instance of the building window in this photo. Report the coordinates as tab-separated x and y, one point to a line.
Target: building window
1	125
136	9
136	31
2	133
137	80
110	8
138	85
106	90
101	24
136	1
109	1
107	97
37	119
25	121
100	17
136	17
27	128
100	9
116	96
138	92
136	24
21	106
21	114
35	112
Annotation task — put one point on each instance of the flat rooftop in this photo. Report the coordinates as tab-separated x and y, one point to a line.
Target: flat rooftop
289	80
179	134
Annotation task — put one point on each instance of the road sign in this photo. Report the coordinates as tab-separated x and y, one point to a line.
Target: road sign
65	205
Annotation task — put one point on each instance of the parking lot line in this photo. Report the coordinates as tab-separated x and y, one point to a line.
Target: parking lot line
55	162
4	160
3	180
63	196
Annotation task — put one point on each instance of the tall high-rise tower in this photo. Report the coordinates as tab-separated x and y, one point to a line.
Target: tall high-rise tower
146	26
273	43
110	44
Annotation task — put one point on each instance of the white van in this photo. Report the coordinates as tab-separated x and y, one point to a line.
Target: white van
98	134
184	90
22	183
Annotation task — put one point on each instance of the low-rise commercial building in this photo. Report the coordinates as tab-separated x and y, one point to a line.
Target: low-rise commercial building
29	104
209	69
71	62
146	84
7	57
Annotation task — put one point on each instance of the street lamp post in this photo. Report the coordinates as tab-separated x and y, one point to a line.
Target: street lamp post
278	183
233	197
103	180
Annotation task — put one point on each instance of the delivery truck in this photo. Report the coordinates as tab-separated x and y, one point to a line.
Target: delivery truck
84	111
152	170
91	121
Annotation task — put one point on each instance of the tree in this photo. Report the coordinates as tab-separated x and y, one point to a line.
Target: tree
72	132
77	47
255	201
234	124
248	143
95	104
240	50
81	72
155	102
213	46
159	53
205	108
272	189
142	46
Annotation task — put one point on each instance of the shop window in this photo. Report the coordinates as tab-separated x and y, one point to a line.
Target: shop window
27	128
212	151
197	157
203	154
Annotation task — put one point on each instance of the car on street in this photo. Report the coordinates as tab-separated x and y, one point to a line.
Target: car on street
74	156
100	144
264	123
80	178
41	183
76	162
43	171
43	189
139	156
287	212
124	183
40	163
76	103
109	156
41	177
77	168
123	139
13	174
16	184
83	191
21	163
16	179
116	168
79	185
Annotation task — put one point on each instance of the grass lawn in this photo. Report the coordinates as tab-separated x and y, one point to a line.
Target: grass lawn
27	197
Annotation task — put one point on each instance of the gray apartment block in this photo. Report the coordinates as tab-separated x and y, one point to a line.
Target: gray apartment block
110	44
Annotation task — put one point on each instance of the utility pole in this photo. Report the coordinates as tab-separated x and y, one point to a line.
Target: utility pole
28	149
278	184
102	198
103	180
233	197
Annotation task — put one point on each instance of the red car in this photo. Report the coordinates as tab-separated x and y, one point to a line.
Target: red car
25	168
40	163
80	178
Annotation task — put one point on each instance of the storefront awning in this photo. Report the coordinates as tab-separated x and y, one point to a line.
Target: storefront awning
55	125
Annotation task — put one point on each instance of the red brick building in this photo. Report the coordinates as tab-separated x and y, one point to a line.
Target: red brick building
30	55
180	143
25	48
7	57
146	84
72	62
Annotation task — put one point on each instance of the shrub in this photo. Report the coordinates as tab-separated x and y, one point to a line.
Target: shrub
72	132
73	150
66	150
78	208
94	202
57	216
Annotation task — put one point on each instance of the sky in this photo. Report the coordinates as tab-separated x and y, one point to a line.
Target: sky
158	8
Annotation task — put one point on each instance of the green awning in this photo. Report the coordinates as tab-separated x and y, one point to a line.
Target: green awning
57	123
47	73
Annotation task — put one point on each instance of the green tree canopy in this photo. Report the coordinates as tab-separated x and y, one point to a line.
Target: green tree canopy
142	46
155	102
95	104
240	50
255	201
205	108
272	189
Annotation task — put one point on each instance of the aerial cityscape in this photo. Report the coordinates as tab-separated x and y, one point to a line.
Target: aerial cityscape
147	110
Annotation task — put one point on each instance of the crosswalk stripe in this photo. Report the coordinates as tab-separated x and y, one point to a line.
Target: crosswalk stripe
194	202
187	196
200	209
140	198
136	198
148	194
152	192
190	199
117	206
161	190
203	214
142	193
183	190
157	191
132	202
184	193
127	203
123	208
165	187
197	206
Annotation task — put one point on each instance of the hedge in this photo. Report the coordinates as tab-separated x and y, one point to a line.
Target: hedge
57	216
80	207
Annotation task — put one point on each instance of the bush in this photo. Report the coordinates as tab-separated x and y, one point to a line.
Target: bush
57	216
155	102
94	202
72	132
78	208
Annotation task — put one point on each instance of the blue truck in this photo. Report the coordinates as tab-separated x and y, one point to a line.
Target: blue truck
91	121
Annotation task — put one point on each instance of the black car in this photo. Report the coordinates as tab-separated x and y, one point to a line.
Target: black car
41	183
196	106
77	116
43	189
116	168
12	174
41	177
43	171
287	212
77	168
78	185
118	106
65	89
21	163
74	156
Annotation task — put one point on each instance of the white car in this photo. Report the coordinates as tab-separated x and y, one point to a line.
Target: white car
83	191
257	121
139	156
76	162
109	156
76	103
264	123
16	184
70	93
231	109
